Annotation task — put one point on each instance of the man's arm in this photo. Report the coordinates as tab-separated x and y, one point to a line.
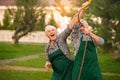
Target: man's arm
97	40
85	29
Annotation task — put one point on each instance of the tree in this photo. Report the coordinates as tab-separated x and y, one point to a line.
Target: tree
110	25
52	21
109	13
41	23
6	20
26	16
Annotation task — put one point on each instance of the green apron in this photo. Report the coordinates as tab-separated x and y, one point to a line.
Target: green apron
61	65
90	69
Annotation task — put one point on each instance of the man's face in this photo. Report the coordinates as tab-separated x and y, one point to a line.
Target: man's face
51	34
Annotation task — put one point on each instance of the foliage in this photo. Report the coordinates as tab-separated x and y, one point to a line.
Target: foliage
28	15
24	18
41	23
52	21
106	11
6	21
110	25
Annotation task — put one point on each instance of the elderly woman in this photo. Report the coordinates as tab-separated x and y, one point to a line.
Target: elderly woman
57	52
86	65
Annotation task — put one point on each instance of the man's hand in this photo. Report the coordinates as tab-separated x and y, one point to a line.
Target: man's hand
84	27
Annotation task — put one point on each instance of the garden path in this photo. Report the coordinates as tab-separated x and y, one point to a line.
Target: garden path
4	66
6	61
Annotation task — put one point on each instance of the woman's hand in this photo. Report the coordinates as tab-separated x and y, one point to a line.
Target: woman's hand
47	65
86	5
73	21
78	16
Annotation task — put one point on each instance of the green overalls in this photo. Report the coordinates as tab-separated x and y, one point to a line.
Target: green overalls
90	69
62	66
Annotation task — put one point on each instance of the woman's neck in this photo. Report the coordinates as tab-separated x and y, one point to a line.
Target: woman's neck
52	43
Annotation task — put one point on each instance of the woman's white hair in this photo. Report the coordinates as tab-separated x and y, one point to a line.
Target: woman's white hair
48	27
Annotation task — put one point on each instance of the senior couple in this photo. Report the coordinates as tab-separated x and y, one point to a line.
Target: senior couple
85	65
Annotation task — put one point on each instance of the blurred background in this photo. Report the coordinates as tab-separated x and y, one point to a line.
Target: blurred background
22	37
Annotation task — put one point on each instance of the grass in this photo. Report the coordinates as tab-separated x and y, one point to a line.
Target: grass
107	64
111	78
37	63
30	75
24	75
7	51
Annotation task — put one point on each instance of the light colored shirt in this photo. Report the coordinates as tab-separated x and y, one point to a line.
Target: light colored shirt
60	43
76	35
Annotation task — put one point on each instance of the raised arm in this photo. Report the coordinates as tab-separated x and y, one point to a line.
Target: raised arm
76	18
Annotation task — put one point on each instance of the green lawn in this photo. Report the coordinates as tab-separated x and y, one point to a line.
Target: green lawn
8	51
37	63
24	75
111	78
107	64
30	75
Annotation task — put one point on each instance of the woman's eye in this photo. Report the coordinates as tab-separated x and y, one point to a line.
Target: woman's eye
48	31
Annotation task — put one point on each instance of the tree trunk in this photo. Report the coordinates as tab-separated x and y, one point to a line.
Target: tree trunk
20	32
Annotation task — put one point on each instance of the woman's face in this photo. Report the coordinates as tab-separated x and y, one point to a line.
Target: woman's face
51	34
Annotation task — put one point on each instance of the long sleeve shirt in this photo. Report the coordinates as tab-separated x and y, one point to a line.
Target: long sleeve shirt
76	35
61	42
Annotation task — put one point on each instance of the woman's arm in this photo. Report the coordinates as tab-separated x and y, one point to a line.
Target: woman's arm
48	63
76	18
74	21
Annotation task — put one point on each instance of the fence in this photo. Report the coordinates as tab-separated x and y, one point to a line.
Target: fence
33	37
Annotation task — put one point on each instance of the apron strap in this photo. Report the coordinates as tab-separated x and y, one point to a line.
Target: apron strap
57	44
84	53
